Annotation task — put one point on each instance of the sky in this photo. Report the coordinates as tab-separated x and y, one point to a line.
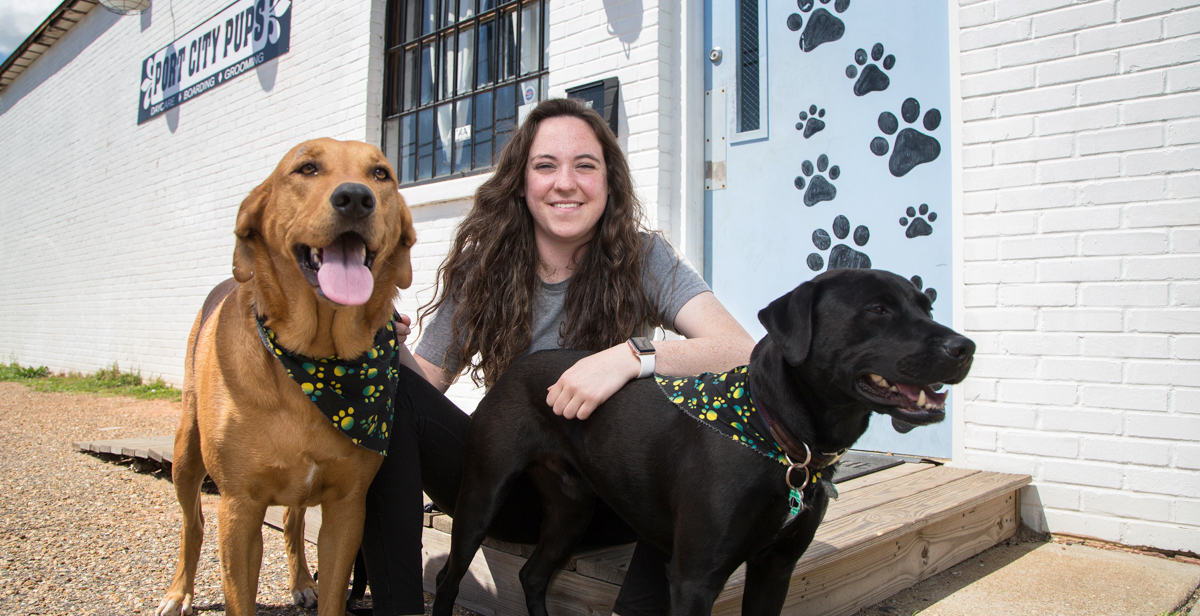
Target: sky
18	19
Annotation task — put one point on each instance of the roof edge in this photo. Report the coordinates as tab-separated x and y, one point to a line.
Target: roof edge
56	25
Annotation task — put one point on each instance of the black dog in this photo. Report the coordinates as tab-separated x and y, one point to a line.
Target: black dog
839	347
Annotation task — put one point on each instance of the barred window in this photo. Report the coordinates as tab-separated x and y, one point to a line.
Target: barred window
457	72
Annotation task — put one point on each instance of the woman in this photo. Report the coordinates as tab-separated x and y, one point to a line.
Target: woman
552	255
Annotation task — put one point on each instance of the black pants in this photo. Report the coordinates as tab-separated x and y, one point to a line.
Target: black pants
426	454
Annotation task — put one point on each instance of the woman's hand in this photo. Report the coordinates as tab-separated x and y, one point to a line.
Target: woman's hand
403	328
592	381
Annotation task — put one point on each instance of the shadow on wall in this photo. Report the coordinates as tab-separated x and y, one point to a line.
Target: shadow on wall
624	21
64	51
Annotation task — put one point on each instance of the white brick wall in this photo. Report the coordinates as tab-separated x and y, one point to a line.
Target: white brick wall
117	231
1081	256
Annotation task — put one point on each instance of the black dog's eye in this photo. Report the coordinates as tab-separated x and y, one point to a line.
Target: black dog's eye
878	310
307	169
380	174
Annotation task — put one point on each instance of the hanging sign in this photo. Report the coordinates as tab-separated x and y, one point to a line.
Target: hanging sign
240	37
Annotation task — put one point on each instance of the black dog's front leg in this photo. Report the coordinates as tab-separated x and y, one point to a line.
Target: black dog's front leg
769	573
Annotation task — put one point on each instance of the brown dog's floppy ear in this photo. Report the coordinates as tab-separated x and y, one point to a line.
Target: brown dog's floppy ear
248	220
401	256
789	322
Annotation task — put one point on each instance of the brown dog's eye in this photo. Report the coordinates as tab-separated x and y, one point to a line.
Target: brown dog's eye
380	174
308	169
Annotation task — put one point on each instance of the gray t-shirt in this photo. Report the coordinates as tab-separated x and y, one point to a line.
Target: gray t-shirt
669	282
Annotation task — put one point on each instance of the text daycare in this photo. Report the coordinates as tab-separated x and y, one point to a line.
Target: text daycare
244	29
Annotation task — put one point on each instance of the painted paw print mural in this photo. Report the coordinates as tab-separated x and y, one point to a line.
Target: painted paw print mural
811	122
823	26
931	293
919	225
842	255
818	188
912	147
871	78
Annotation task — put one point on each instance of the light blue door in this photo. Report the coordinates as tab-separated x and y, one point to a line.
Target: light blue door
828	134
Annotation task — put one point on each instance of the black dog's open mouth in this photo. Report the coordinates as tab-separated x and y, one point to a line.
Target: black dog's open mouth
917	404
341	270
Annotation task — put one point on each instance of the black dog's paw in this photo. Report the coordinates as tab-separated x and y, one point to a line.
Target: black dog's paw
912	146
823	26
842	256
918	225
872	78
931	293
811	122
819	189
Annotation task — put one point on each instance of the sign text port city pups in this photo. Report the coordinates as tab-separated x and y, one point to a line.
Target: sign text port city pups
240	37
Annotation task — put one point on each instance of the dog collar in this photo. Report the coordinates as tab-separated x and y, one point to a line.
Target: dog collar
355	395
722	401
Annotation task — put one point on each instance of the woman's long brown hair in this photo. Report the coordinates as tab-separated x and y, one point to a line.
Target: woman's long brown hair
491	271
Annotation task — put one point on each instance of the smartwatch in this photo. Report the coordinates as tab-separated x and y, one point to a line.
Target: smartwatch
644	349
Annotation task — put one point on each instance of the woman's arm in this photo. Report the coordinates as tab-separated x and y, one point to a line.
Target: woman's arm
439	378
715	342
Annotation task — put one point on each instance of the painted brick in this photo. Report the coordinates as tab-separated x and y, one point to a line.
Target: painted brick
1124	191
1077	69
1187	347
979	202
1183	79
1183	132
1037	50
984	249
990	131
1104	528
1037	444
1181	537
1182	267
998	177
1168	482
1080	219
1171	321
1167	53
1121	88
1055	496
1161	161
1132	9
1120	36
999	463
1031	150
983	272
1127	505
1125	450
1185	294
978	390
1077	18
977	156
1186	401
1176	374
976	15
1081	320
1004	366
1128	345
1181	23
1185	511
1077	120
979	438
1037	101
1124	243
1001	320
1082	473
978	108
1124	294
999	224
1001	415
1040	247
1079	369
1183	186
1035	198
1160	426
979	296
996	34
1187	456
1038	392
1039	343
977	61
994	82
1038	295
1078	270
1185	240
1160	108
1121	140
986	343
1077	169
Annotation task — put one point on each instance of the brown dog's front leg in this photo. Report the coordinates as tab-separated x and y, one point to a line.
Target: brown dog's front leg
187	473
337	546
239	528
304	589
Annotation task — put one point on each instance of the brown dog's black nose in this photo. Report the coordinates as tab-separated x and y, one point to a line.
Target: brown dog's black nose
353	200
960	348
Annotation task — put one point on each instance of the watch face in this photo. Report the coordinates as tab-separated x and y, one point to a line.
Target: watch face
642	345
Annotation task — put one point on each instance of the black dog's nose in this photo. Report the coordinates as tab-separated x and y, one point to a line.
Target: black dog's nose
960	348
353	200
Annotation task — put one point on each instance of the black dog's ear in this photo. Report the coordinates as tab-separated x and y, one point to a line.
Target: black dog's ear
789	322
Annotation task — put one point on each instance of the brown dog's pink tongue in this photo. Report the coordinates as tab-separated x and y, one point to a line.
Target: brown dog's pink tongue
343	277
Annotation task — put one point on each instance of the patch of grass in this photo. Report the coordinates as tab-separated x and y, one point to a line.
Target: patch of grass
109	381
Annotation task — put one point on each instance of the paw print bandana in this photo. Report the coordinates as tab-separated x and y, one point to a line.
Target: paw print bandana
356	395
722	402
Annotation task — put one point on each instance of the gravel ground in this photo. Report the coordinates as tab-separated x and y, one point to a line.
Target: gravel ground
82	535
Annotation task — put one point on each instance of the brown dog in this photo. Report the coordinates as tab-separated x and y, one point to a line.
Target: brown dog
322	246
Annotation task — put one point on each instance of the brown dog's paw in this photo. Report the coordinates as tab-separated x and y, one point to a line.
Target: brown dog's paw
305	597
175	604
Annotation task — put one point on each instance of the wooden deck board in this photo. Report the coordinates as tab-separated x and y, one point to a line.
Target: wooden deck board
886	532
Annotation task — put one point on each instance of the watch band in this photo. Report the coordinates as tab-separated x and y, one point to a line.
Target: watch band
644	350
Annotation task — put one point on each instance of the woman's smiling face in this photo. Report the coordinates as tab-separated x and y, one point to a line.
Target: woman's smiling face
566	183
